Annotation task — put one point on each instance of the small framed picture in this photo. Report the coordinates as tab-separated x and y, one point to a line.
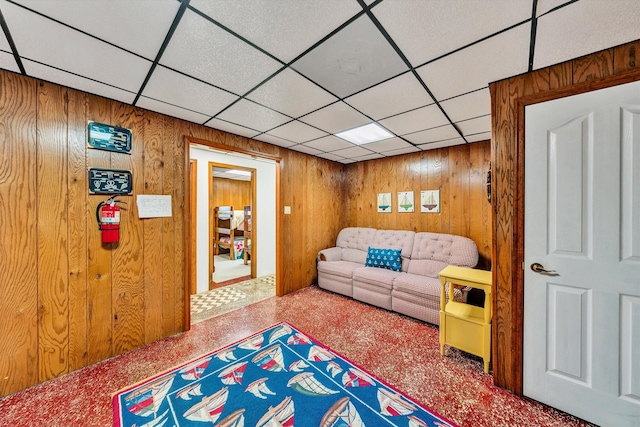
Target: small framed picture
430	201
405	201
384	203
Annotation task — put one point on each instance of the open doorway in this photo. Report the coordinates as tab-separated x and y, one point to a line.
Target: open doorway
231	215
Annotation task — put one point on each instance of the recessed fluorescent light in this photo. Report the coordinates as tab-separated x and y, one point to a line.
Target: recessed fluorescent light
239	172
365	134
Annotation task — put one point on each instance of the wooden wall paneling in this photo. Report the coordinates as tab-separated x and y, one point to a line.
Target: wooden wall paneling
386	183
152	228
476	199
127	255
51	198
180	159
424	185
18	236
444	193
78	190
626	57
287	194
169	260
487	234
592	67
407	174
315	196
561	75
231	192
434	173
456	194
98	255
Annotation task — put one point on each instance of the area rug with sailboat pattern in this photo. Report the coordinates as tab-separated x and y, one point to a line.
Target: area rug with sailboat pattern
276	377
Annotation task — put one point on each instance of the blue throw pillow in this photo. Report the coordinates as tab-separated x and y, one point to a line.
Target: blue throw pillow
384	258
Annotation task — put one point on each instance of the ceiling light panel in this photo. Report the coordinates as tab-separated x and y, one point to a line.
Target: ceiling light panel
175	88
355	58
141	24
432	135
473	68
265	137
42	40
231	128
477	125
201	49
365	134
427	30
395	96
474	104
585	27
297	131
336	118
282	27
171	110
49	74
329	143
282	93
247	113
416	120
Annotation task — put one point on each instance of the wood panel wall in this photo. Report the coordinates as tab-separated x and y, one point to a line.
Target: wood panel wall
231	192
68	301
459	172
508	97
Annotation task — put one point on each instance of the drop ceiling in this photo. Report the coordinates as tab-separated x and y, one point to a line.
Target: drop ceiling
295	72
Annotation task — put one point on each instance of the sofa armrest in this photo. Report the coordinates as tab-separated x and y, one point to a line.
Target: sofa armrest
330	254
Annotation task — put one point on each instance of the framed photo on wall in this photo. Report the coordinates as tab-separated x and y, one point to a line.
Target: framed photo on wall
405	201
430	201
384	203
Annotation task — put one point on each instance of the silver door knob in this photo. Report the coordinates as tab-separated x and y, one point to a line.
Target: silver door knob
539	268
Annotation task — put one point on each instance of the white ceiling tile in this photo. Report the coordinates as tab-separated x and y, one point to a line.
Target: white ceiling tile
231	128
63	78
282	27
387	145
8	62
42	40
171	110
329	143
265	137
479	137
347	161
336	118
400	94
4	44
477	125
585	27
330	156
247	113
431	135
473	68
352	152
413	121
369	157
355	58
426	31
297	131
545	6
474	104
175	88
410	149
282	93
203	50
442	144
304	149
136	25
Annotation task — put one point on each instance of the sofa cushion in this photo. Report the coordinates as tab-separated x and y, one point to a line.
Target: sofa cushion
426	267
384	258
355	238
354	255
445	248
338	268
379	277
421	286
394	239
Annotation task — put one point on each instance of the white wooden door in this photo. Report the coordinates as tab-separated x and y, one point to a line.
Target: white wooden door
582	219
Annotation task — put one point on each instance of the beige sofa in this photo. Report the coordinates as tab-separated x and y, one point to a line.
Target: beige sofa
414	290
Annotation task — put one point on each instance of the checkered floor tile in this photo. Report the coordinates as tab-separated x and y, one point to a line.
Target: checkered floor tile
215	298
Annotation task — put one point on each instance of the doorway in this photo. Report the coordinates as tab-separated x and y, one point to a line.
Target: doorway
262	207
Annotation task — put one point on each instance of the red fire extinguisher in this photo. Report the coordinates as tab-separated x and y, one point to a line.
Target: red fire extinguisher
109	220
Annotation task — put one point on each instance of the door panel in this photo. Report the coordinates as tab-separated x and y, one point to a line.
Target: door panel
582	216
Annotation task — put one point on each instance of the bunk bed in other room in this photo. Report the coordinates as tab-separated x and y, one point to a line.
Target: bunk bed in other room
227	234
246	227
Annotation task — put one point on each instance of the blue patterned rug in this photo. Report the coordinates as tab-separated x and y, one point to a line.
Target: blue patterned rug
272	378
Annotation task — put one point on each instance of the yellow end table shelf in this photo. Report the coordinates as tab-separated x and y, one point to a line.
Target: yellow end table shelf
465	326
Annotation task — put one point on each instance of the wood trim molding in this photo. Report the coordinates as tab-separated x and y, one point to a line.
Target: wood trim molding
229	149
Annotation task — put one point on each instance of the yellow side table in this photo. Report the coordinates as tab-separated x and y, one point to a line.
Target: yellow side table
465	326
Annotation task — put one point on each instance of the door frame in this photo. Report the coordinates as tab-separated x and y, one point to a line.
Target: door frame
254	243
516	318
188	141
193	181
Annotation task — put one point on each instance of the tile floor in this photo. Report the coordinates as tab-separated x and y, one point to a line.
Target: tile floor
402	351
